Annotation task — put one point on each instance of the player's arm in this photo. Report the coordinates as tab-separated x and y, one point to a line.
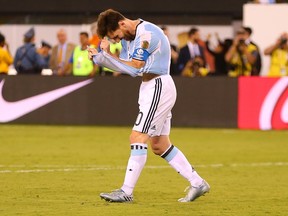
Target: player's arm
106	60
136	63
103	58
251	56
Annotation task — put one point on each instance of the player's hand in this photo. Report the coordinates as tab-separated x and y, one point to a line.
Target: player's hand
105	45
91	52
236	41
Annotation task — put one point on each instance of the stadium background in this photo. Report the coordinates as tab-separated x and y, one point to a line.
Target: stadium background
209	102
160	12
222	16
51	164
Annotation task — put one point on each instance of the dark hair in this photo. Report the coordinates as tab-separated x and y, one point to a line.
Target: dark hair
164	28
108	22
2	38
85	34
192	31
248	30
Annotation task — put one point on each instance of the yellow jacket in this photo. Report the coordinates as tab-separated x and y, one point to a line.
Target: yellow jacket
278	63
241	68
5	60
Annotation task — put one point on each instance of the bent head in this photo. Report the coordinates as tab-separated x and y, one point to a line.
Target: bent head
114	25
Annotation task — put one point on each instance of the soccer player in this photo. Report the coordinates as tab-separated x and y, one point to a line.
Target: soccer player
145	52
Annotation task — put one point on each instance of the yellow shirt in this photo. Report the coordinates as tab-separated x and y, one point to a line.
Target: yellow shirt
5	60
279	63
241	67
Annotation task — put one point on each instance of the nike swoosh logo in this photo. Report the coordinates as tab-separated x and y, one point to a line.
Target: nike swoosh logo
10	111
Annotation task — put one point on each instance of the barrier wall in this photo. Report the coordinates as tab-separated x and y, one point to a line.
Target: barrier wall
201	102
263	103
246	102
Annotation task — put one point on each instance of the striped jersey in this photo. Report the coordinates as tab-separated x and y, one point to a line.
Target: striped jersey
150	45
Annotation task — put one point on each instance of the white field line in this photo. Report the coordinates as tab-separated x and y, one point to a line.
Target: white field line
94	167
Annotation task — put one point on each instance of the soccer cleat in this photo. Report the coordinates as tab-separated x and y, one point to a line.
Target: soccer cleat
195	192
117	196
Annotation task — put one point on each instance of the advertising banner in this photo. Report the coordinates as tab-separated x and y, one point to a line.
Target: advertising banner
108	100
263	103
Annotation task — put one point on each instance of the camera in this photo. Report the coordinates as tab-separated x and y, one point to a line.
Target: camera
196	64
241	42
283	41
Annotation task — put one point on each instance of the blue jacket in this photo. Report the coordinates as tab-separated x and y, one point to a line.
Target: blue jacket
27	60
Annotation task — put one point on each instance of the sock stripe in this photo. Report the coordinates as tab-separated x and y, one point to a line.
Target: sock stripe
138	149
170	153
167	152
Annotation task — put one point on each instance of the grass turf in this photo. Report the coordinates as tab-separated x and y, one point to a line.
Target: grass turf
60	170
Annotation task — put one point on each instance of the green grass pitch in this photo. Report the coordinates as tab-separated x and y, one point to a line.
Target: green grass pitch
60	170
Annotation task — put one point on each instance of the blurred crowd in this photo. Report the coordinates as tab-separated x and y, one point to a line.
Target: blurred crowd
233	57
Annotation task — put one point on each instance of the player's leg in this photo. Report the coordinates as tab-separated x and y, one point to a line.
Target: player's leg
162	146
149	97
137	160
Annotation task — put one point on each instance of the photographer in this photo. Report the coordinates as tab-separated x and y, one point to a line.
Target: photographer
243	56
279	57
219	54
191	50
195	67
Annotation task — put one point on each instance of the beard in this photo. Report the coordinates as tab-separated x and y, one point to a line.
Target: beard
128	36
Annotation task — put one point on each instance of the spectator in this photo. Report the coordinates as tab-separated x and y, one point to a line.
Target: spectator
191	50
258	63
243	56
219	54
195	67
44	51
279	57
5	56
27	60
174	54
61	54
79	60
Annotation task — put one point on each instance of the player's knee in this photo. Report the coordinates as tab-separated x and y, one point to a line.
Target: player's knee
137	137
133	138
156	149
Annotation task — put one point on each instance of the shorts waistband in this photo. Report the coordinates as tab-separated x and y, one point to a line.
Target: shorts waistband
149	76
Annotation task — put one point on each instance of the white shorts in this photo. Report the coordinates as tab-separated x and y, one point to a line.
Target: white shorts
156	100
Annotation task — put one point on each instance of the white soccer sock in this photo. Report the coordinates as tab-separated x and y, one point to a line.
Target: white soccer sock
135	165
180	163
